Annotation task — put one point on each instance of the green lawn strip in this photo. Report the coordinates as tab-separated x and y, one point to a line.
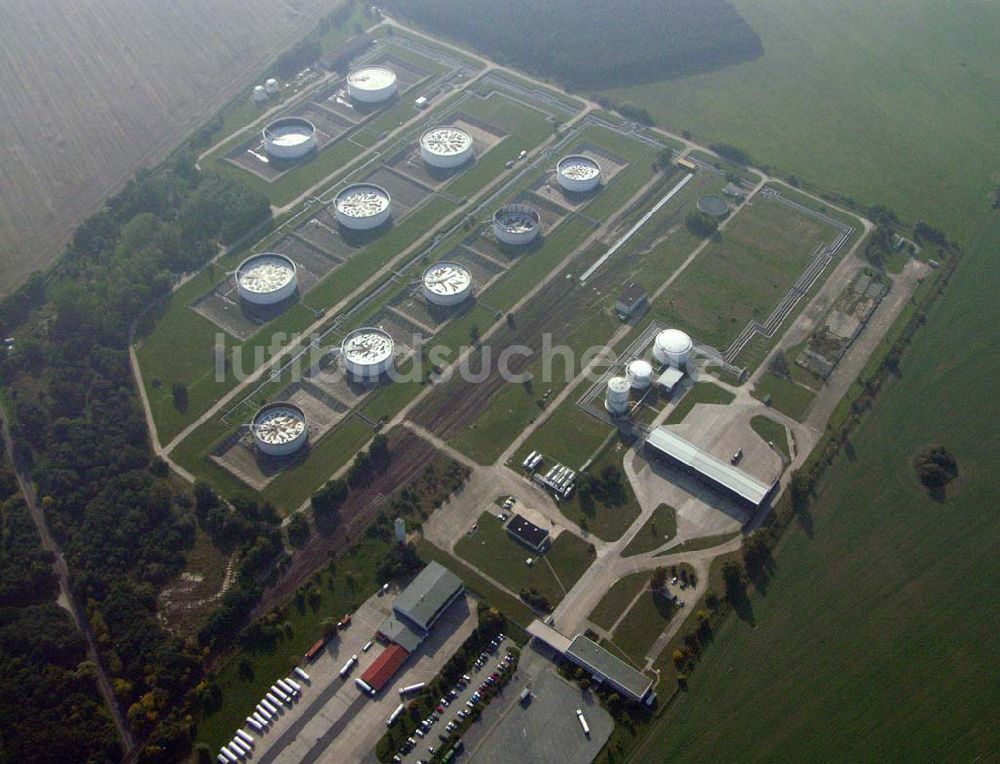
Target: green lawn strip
729	168
495	553
772	432
642	624
566	100
703	542
586	434
701	392
608	518
786	396
512	607
660	528
617	598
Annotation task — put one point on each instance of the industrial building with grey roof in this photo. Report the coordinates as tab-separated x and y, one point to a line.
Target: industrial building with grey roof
419	606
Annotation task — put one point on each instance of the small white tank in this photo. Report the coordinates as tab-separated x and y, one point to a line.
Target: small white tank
640	374
259	94
271	86
616	400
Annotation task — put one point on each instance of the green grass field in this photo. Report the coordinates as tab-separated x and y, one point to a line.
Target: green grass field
495	553
606	520
891	103
702	392
703	542
786	396
657	531
642	624
772	432
878	628
617	598
742	276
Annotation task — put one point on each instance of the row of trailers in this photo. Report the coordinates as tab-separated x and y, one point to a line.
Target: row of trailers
284	692
559	479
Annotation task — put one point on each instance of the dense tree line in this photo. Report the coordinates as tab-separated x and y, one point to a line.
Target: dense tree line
593	43
46	682
78	423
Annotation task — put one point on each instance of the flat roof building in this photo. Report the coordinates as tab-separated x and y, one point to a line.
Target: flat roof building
608	668
711	469
419	606
631	302
669	379
528	533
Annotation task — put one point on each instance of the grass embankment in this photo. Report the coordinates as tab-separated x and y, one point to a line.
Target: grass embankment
616	599
772	432
787	396
701	392
642	624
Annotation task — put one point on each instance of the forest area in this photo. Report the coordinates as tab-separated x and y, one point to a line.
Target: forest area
594	44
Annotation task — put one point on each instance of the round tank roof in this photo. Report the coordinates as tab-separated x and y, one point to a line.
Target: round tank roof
290	131
640	368
517	218
619	385
446	141
447	278
361	200
578	167
264	273
371	77
367	346
673	341
279	423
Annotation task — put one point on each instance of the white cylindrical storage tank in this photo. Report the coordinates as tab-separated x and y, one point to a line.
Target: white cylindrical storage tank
371	84
271	86
616	400
516	224
578	173
367	352
640	374
446	147
672	347
266	279
447	283
259	94
289	137
280	429
362	206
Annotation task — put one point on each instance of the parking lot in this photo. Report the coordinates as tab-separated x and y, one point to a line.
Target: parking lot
333	721
459	704
543	731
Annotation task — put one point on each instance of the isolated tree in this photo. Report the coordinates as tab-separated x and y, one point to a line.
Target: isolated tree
936	467
658	579
779	364
180	394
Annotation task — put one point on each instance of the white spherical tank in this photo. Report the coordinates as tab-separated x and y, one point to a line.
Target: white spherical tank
266	279
616	400
367	352
446	147
447	283
280	429
362	206
640	374
672	347
259	94
271	86
578	173
289	138
371	84
516	224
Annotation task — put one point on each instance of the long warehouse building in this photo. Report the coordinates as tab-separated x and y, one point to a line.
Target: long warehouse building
731	480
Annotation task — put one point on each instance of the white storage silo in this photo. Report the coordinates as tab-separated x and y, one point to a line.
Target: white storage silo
616	400
672	347
367	352
446	147
266	279
362	206
578	173
640	374
259	95
280	429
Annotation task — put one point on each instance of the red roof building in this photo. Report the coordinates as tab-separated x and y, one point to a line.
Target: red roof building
385	667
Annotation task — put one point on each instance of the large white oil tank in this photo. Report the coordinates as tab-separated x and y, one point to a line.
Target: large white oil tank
672	347
446	147
362	206
447	283
289	137
271	86
280	429
371	84
259	94
266	279
367	352
516	224
616	400
578	173
640	374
